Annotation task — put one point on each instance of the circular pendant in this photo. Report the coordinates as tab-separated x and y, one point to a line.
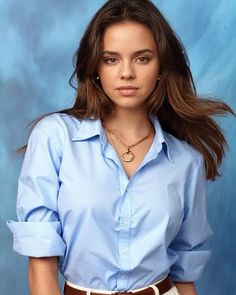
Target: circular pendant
127	156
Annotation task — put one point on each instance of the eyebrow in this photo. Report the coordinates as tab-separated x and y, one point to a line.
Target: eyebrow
146	50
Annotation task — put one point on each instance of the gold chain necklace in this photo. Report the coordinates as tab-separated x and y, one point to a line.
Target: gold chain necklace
128	155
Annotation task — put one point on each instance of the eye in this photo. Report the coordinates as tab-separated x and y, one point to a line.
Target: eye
110	60
143	59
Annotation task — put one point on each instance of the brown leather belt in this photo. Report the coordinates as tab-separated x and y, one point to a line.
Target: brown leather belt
163	287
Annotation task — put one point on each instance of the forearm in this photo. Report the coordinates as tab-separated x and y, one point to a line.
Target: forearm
43	276
187	288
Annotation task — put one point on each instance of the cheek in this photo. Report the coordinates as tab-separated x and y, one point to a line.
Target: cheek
150	74
150	79
105	82
107	77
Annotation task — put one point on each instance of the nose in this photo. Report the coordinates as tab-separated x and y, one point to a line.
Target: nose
127	71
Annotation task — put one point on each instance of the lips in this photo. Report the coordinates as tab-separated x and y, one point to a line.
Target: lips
127	90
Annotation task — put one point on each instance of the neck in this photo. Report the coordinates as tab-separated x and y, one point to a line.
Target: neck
128	123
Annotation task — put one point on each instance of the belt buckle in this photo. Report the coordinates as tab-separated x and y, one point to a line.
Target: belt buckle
123	293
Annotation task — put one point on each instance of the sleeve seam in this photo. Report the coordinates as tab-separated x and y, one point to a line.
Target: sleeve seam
193	175
51	136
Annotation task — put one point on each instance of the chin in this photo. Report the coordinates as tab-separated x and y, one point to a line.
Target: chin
130	106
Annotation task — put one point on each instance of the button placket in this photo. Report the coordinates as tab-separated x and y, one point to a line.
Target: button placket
124	234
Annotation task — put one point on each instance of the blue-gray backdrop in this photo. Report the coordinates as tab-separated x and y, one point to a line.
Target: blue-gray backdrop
37	41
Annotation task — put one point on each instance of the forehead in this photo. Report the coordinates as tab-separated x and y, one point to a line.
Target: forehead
127	35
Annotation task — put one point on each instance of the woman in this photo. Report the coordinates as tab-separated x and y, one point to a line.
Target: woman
116	186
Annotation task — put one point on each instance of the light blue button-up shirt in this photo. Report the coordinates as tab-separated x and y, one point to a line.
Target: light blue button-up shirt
111	232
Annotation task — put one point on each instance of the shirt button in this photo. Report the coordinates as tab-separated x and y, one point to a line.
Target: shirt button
123	277
125	224
124	251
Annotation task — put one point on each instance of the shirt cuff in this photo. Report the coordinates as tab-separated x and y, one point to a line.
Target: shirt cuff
189	265
37	239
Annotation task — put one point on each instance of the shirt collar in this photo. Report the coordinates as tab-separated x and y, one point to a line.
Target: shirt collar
90	127
161	137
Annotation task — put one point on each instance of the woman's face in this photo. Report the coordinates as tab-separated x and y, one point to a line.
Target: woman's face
129	66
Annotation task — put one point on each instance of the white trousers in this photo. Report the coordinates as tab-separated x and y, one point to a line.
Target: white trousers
172	291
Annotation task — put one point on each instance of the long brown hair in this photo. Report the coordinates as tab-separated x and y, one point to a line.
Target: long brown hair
174	101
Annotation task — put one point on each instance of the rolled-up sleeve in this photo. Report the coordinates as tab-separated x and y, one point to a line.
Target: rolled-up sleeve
38	230
194	232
